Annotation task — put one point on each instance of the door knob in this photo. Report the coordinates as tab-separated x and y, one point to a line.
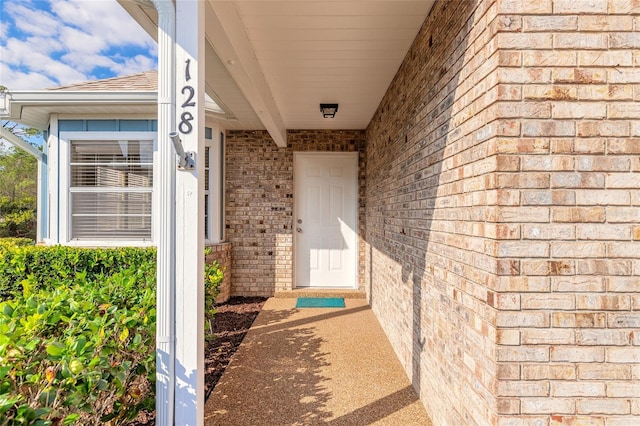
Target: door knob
299	229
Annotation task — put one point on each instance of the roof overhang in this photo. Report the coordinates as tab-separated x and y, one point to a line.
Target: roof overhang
33	108
270	63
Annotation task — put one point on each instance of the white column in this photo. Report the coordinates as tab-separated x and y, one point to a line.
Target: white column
164	216
41	200
189	363
53	153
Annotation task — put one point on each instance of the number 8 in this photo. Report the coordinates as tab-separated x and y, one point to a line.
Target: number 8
185	126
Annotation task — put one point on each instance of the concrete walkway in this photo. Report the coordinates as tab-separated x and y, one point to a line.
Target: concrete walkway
314	366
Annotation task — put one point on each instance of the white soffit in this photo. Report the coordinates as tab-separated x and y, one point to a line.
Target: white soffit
344	52
283	58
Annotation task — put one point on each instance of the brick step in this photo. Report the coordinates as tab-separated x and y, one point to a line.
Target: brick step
321	292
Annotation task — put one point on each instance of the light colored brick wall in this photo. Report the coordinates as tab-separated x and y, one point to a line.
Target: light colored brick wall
567	348
221	253
501	212
430	190
259	209
503	200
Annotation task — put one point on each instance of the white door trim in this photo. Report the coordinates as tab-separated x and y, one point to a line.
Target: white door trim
353	156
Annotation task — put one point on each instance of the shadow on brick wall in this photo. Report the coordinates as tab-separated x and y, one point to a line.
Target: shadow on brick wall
413	178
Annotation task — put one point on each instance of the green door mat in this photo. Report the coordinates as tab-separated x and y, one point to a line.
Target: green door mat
320	302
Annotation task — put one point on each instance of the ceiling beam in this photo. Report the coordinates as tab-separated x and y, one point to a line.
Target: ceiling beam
226	33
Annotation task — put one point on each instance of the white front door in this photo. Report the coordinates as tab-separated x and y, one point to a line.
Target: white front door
326	219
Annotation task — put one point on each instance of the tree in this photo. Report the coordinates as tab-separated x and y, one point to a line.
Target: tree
18	186
18	193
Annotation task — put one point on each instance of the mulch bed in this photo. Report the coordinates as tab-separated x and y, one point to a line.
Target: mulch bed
231	322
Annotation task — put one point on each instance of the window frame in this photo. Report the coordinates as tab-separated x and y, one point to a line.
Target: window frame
215	232
66	138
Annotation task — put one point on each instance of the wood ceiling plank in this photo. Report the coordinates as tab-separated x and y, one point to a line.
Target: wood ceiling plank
382	22
334	8
368	34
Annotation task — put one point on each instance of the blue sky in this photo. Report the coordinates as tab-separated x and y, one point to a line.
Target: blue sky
48	43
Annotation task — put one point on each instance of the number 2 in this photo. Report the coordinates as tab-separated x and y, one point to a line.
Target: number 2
189	102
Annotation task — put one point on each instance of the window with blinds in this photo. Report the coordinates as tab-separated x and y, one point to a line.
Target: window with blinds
111	186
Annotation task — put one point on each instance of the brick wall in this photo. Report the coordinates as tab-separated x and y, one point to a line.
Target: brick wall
567	331
221	253
429	167
502	212
259	206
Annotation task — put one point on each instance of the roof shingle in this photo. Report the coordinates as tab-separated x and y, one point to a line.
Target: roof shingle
146	81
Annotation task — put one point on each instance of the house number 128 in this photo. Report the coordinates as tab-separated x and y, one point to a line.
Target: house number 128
185	125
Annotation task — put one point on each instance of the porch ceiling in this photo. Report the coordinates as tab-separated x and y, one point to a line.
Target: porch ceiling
271	63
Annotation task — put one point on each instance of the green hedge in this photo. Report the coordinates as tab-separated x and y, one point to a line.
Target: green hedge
77	343
15	241
43	267
77	333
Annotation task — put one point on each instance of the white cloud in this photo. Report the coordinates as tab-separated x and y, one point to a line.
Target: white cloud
68	41
4	30
75	40
135	64
86	62
35	22
33	57
16	80
105	19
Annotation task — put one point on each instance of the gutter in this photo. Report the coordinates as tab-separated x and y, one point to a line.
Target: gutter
40	97
165	214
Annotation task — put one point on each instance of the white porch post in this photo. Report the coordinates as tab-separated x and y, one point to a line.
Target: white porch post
189	301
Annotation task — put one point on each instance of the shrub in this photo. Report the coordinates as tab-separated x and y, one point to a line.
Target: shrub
37	267
213	276
77	335
15	242
80	350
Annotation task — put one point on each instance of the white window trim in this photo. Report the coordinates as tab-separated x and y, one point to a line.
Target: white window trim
217	185
64	179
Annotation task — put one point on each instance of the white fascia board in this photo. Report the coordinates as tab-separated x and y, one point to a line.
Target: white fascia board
225	32
48	97
15	102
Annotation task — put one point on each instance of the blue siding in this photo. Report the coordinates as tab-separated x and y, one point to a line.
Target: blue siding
71	125
108	125
136	125
102	125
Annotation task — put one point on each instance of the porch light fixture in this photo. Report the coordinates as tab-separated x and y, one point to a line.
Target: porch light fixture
328	110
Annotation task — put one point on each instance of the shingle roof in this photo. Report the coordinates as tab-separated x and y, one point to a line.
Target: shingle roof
142	82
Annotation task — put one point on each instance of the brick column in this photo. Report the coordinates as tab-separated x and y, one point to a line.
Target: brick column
221	253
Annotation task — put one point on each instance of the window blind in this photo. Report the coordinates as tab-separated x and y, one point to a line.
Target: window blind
111	187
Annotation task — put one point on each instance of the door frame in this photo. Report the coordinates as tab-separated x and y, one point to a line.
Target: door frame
355	157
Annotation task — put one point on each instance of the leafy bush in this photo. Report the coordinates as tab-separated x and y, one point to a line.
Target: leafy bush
213	276
80	350
35	267
14	242
77	333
